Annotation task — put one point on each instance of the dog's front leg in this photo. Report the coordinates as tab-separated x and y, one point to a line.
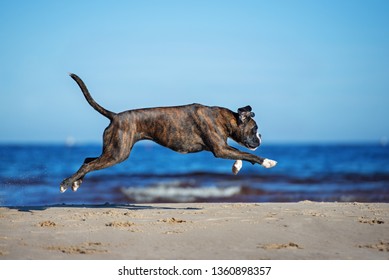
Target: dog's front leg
228	152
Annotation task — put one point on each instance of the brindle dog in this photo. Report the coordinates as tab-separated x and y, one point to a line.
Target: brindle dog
184	129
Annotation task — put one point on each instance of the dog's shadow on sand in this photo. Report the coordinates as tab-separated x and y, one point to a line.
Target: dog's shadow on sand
99	206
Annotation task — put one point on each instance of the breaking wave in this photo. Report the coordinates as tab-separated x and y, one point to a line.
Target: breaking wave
174	192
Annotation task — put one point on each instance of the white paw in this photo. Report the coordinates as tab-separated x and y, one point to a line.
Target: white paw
75	186
237	166
269	163
63	189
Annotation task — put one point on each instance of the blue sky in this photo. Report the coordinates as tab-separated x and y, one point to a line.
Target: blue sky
313	71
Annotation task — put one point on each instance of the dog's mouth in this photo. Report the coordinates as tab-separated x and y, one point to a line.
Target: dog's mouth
252	146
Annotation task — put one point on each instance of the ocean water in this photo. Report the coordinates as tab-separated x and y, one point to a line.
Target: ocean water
30	175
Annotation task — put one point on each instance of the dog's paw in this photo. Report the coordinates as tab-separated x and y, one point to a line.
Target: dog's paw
62	188
269	163
76	185
237	166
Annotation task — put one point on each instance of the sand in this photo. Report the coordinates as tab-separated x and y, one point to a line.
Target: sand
245	231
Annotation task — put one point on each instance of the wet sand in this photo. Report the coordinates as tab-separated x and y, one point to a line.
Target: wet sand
200	231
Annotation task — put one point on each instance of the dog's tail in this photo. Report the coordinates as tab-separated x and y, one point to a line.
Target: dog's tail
89	98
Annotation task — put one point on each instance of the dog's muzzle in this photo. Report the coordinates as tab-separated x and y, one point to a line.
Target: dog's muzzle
253	143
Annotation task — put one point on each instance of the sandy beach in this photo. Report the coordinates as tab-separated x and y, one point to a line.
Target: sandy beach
304	230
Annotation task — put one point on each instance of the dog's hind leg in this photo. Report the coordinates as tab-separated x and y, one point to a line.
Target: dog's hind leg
117	148
76	184
107	159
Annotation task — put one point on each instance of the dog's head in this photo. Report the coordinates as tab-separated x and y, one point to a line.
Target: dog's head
247	134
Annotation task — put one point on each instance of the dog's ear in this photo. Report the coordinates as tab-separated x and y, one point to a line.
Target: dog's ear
245	114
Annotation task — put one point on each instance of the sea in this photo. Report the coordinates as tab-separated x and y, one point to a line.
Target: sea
30	175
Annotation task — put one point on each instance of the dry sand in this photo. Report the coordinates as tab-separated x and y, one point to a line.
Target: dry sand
305	230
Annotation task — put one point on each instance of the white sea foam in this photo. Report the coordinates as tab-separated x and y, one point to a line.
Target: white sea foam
172	191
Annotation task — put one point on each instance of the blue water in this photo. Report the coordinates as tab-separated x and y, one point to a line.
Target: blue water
31	174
